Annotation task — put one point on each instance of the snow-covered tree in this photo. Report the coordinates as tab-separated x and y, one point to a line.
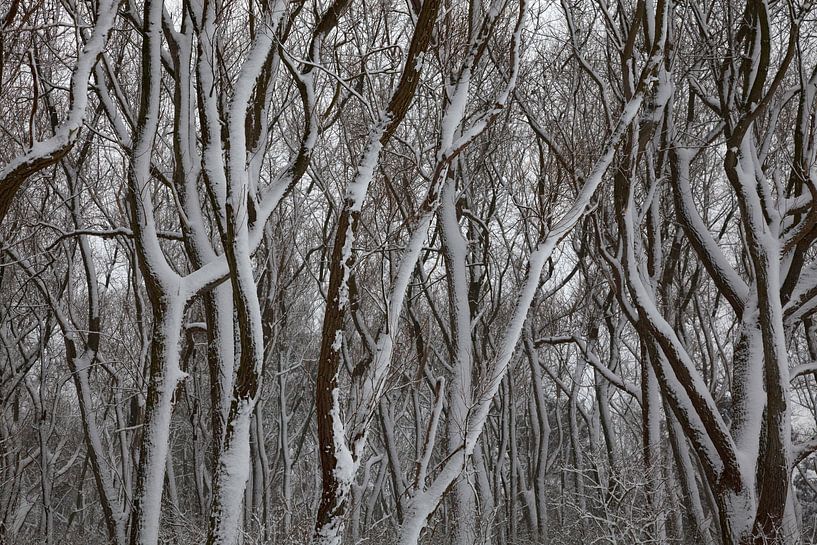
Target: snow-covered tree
408	271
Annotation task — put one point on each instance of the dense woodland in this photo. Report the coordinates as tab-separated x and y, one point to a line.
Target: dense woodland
408	271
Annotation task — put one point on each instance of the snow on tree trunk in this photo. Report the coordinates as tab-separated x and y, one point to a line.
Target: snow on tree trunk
164	377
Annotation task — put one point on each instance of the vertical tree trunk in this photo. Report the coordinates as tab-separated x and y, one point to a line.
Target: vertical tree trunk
164	375
540	471
464	512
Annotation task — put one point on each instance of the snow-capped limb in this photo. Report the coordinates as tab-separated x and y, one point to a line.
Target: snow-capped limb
802	369
218	305
218	311
371	383
762	228
232	471
650	439
111	109
185	174
681	385
453	139
777	451
800	213
455	113
460	393
803	299
335	455
305	81
802	450
166	291
232	189
754	69
231	474
730	460
208	92
217	302
373	380
186	169
748	393
693	403
164	377
730	479
251	70
45	153
731	285
453	117
214	270
155	267
799	209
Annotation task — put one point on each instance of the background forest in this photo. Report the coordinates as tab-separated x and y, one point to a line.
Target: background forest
408	271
